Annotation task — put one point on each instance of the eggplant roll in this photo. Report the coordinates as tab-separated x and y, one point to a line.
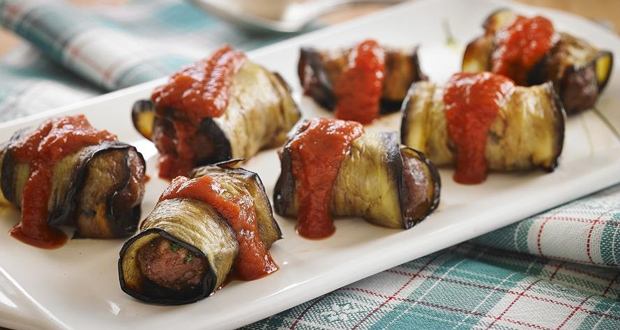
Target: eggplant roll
97	190
386	184
319	70
260	112
186	248
578	70
527	132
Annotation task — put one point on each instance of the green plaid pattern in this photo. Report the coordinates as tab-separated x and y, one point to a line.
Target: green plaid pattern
118	54
81	53
584	231
467	287
557	270
502	280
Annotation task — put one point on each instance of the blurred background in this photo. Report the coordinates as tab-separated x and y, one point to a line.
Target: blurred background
606	12
57	52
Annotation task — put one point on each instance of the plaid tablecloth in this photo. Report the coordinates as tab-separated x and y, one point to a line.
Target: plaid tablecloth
541	273
558	269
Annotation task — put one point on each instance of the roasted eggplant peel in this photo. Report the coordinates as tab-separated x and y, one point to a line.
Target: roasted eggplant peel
320	71
527	131
191	242
65	173
578	70
220	108
371	176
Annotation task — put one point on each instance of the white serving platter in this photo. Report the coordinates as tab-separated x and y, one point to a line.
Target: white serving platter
76	286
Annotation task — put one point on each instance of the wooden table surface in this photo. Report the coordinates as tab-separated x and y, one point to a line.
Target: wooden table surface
607	11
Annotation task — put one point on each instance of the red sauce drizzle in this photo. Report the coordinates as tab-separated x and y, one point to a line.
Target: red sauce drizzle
194	93
521	46
42	149
317	153
182	160
358	90
472	101
253	261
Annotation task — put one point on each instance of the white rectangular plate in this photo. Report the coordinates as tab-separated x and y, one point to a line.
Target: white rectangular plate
77	286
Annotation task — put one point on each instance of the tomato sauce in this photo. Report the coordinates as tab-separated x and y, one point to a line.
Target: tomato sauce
253	261
182	158
358	90
194	93
42	149
521	46
317	153
472	101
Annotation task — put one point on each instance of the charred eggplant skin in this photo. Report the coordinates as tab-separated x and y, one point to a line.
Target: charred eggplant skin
106	217
423	128
376	155
317	70
8	180
578	84
578	70
415	212
321	91
216	145
284	191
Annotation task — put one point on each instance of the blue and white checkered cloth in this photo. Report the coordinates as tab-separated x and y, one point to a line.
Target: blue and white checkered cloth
557	270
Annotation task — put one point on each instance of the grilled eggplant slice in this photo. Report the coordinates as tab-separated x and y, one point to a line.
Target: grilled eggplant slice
578	70
154	266
319	70
386	184
96	190
527	133
260	112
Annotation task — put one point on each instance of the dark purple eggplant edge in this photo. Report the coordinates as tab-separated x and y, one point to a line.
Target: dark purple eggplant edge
223	148
560	125
436	184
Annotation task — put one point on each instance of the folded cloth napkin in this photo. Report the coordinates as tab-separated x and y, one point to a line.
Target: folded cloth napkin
558	269
101	49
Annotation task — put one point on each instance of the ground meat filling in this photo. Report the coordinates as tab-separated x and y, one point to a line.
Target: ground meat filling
171	266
